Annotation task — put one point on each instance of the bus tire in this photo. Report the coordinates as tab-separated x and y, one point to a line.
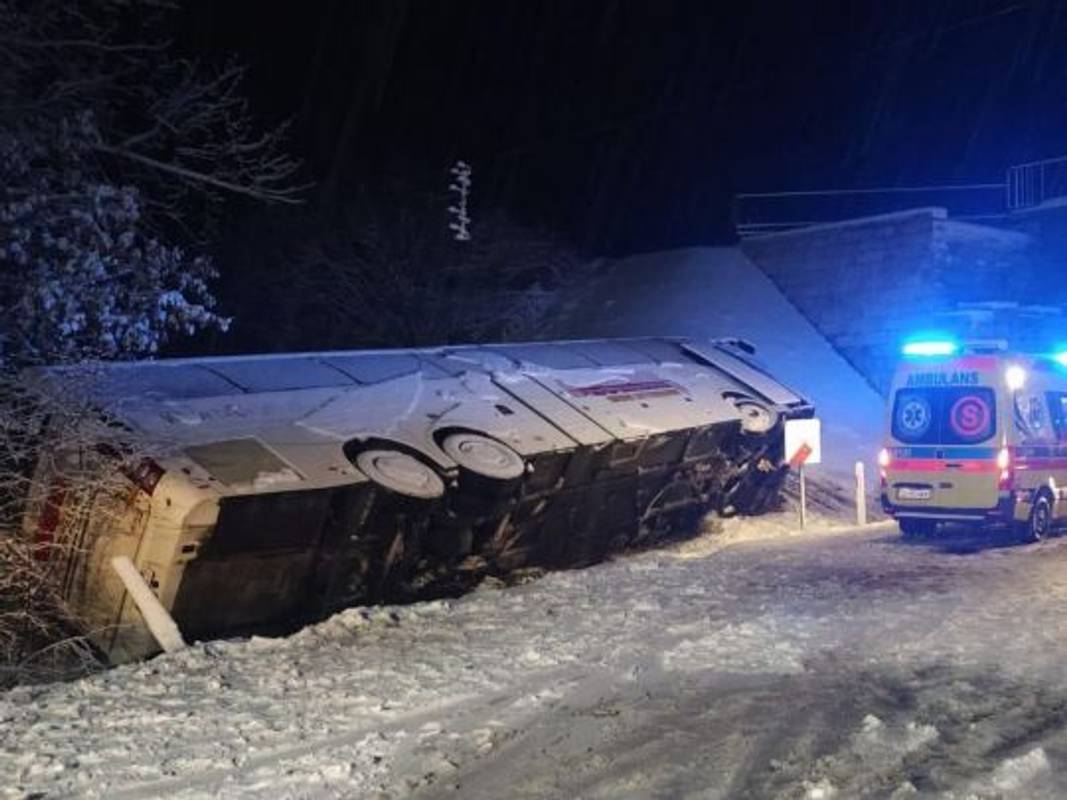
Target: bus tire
401	474
757	419
484	456
1039	523
490	474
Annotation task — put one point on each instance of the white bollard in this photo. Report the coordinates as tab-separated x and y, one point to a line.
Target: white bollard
861	495
160	623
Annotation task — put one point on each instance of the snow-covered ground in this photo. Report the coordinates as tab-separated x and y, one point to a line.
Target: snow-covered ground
752	662
718	292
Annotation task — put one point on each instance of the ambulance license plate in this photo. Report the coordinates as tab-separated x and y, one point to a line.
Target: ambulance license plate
912	493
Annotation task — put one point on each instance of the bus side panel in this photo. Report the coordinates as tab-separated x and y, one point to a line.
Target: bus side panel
116	527
177	518
256	566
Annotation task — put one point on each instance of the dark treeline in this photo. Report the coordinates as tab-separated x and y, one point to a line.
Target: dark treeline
626	126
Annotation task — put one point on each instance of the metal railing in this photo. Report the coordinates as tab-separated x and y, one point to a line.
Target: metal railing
1025	186
1032	184
758	213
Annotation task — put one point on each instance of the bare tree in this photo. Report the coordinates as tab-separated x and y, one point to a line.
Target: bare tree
164	122
391	273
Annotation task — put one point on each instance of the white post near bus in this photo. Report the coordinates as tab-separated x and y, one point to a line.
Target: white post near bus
861	494
803	445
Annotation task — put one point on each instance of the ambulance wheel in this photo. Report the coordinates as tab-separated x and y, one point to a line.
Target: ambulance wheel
917	528
1037	526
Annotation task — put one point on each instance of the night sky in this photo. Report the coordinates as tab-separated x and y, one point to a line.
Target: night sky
628	126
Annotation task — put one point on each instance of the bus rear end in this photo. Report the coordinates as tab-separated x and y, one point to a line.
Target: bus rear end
944	458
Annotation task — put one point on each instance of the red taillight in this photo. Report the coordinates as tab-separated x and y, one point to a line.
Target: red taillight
883	463
1004	464
48	520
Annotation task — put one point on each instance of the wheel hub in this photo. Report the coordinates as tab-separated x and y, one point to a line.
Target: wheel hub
484	456
401	473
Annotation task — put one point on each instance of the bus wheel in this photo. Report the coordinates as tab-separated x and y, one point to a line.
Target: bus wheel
484	456
1037	526
916	528
757	419
401	474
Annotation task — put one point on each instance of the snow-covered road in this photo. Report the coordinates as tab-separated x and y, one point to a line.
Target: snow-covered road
849	664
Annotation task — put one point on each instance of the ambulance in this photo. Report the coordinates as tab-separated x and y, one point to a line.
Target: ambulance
976	434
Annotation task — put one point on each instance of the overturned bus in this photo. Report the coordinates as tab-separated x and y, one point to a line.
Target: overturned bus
283	487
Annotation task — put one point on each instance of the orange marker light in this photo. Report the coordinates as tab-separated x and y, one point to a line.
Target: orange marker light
1004	482
1004	458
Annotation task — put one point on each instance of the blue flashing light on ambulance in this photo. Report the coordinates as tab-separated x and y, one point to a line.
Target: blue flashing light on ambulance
976	434
935	347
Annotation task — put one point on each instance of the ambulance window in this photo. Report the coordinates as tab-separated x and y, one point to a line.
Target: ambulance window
1036	416
913	416
1030	416
944	415
1057	404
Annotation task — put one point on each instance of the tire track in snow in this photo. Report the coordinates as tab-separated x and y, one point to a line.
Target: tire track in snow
460	706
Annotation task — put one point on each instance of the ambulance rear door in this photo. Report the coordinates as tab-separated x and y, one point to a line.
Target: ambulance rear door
946	446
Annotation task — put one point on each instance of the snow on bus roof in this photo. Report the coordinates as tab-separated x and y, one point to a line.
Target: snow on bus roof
220	376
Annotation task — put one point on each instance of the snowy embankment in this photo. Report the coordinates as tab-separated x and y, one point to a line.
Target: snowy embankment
716	292
844	665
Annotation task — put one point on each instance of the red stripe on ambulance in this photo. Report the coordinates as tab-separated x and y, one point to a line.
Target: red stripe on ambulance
970	466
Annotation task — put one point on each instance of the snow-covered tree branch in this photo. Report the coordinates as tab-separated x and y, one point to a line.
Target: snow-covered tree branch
81	274
115	157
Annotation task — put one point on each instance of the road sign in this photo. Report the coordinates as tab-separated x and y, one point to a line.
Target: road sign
800	456
803	442
803	445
